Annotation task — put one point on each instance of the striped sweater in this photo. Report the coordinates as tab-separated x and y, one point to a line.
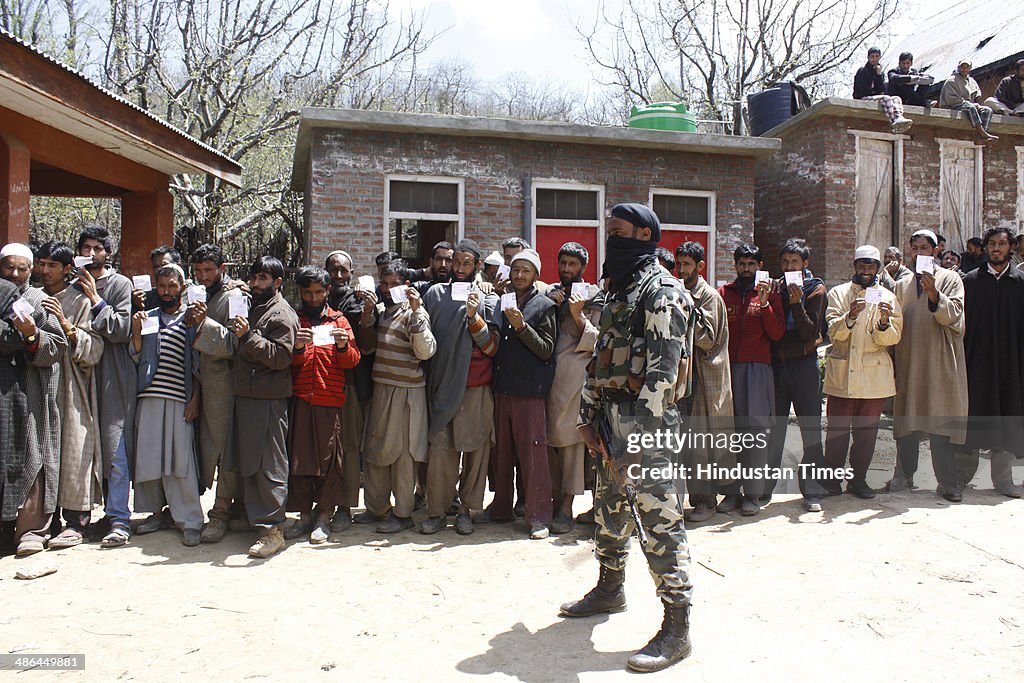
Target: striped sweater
403	340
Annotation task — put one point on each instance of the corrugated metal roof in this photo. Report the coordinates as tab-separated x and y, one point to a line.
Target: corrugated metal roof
75	72
985	32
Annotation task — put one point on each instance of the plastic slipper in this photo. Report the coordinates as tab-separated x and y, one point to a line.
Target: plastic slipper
115	539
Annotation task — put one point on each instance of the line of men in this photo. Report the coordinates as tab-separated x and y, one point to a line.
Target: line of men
944	345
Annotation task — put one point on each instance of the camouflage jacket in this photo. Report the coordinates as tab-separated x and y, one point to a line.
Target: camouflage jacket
645	366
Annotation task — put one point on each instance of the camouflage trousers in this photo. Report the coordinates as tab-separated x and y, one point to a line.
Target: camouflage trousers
660	503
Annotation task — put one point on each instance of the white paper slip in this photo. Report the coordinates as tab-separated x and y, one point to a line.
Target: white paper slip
762	276
508	301
365	283
143	282
794	277
196	293
873	295
580	289
22	309
322	335
460	291
926	264
82	261
399	294
150	325
238	306
722	283
503	272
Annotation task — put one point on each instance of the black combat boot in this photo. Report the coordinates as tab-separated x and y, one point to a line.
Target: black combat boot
607	597
671	643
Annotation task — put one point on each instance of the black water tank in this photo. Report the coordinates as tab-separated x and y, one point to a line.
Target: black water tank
771	107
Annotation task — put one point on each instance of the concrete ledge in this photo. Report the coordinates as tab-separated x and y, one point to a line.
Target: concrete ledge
869	109
516	129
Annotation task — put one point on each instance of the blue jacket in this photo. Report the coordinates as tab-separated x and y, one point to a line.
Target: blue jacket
149	357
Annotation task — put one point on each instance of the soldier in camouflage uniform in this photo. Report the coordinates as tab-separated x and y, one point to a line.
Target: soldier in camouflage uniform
632	383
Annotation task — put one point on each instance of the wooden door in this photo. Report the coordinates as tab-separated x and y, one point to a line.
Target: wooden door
875	193
959	195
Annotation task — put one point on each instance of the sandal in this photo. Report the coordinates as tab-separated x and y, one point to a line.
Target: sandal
117	537
30	547
68	538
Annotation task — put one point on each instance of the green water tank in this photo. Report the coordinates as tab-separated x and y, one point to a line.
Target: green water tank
663	116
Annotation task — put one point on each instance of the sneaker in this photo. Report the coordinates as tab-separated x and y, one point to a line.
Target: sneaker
151	524
749	506
299	527
463	524
539	531
431	525
191	537
394	524
730	503
860	488
268	544
213	531
342	519
561	524
321	530
367	517
901	125
812	504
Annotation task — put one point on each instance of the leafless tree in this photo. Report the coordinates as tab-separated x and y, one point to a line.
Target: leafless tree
711	53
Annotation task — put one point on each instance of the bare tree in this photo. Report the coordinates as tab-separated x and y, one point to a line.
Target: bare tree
711	53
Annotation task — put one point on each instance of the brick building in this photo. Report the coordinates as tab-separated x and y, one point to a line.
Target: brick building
382	180
842	179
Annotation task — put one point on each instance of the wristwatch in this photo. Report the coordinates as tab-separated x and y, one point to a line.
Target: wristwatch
32	339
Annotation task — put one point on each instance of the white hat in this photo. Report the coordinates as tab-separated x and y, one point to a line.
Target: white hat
529	255
16	249
867	252
494	259
925	232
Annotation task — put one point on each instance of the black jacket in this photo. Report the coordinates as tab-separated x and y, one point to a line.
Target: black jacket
900	86
868	82
1008	92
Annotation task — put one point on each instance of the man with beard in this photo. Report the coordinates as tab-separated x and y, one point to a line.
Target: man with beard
994	346
31	347
459	394
315	452
578	317
632	387
110	294
395	442
523	371
166	468
710	405
216	345
930	373
858	370
163	255
795	370
439	270
755	322
358	380
262	379
973	256
81	459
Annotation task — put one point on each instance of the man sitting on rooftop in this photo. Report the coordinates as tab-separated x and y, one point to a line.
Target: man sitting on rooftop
869	84
960	92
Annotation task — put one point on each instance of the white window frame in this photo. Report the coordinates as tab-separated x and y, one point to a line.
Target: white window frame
546	184
710	229
898	183
979	178
412	215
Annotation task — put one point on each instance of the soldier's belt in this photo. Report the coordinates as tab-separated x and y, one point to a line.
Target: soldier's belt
618	396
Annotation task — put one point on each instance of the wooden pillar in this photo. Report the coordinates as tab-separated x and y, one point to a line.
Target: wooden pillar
15	162
147	220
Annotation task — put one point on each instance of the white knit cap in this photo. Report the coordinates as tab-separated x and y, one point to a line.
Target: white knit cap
16	249
530	256
925	232
867	252
494	259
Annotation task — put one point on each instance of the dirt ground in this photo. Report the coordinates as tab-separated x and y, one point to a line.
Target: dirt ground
904	587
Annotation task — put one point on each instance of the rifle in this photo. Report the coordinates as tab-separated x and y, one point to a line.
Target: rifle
612	457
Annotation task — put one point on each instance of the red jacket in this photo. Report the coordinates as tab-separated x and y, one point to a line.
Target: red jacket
752	329
318	372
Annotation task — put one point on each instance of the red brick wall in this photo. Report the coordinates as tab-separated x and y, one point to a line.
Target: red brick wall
808	188
345	191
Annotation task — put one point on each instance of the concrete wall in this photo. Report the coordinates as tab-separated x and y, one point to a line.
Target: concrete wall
345	193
